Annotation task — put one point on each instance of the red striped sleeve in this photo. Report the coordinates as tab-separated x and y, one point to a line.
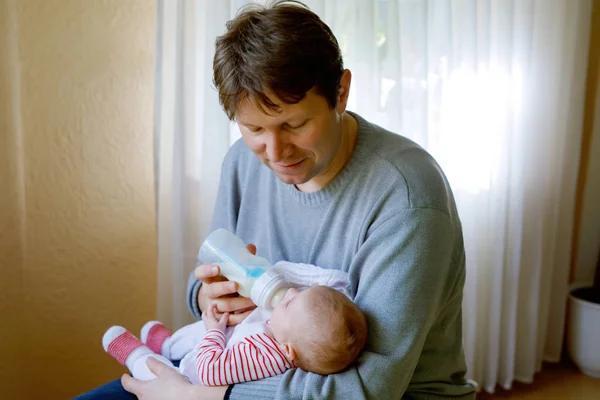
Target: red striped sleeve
209	351
275	368
275	352
248	362
228	366
271	357
241	360
238	364
222	377
259	359
274	346
254	358
263	365
259	363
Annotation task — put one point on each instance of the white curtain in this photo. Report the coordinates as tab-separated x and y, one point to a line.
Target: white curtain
494	89
191	138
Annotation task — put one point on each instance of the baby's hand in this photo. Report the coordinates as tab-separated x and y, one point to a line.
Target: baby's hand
211	321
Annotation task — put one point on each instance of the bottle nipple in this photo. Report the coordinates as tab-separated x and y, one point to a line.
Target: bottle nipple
268	289
278	296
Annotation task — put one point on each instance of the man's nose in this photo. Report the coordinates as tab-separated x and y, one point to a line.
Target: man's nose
277	147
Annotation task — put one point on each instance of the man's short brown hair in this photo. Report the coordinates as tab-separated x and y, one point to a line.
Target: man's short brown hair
281	49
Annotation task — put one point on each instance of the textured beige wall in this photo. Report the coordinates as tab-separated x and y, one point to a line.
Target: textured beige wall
11	234
76	98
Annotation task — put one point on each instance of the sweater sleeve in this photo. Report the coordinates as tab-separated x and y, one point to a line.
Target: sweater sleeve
405	270
193	287
256	357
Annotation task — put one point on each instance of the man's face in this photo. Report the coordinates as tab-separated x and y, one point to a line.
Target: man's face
297	144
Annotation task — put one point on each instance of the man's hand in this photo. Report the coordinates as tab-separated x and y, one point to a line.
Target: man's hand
211	321
169	385
217	290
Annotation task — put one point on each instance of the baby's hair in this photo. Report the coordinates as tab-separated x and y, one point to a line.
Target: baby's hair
337	333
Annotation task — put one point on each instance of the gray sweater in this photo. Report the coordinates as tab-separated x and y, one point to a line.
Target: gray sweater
389	220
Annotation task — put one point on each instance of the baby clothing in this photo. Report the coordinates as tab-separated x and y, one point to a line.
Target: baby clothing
240	350
242	353
256	357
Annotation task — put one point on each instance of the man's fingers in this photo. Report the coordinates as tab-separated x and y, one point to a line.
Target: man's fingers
233	304
224	318
207	273
131	384
235	319
218	289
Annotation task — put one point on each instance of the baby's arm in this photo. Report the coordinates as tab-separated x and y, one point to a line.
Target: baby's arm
257	357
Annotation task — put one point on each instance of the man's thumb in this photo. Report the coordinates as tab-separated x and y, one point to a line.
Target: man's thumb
155	366
130	384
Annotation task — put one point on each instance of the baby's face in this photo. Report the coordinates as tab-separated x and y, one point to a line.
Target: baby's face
288	314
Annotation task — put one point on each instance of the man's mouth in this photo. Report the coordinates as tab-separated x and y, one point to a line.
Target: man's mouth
290	165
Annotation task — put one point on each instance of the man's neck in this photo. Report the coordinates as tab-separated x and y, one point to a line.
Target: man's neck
349	127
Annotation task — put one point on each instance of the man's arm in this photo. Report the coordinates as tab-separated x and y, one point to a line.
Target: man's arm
405	273
255	358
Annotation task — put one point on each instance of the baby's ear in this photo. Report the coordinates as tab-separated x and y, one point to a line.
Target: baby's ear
289	351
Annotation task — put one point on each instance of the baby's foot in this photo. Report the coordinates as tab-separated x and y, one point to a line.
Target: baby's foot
121	344
154	334
130	351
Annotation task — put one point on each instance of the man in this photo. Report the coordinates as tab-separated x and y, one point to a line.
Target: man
314	183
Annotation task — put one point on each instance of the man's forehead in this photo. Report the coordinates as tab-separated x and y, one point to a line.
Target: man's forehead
253	113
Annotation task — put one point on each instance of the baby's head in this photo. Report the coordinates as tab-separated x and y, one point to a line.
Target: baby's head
321	330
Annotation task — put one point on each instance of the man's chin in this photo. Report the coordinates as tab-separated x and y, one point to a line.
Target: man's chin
292	179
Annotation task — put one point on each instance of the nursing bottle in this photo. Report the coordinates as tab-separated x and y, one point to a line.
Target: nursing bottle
255	277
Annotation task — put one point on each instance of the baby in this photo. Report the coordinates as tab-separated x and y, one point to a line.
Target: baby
318	329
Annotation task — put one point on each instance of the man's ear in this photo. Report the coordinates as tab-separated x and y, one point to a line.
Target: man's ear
343	91
289	351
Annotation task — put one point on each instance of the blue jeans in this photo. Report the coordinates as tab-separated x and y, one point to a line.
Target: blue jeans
110	391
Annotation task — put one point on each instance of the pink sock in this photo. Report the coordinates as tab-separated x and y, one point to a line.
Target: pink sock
120	343
154	335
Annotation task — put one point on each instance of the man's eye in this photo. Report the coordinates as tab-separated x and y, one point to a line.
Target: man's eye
255	131
297	126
